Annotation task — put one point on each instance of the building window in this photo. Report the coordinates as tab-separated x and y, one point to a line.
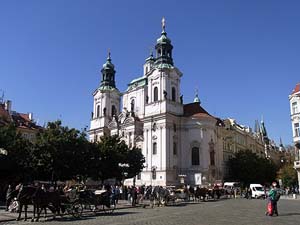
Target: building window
294	107
138	176
98	111
297	130
132	105
104	112
195	156
113	111
174	148
174	127
154	149
173	94
212	157
155	94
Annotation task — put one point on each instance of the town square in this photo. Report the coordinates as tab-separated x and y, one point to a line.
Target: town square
149	113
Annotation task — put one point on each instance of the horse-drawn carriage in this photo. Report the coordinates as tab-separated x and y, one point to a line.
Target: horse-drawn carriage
72	202
98	200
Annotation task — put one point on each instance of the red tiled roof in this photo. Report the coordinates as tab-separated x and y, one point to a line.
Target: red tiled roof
24	116
297	89
194	109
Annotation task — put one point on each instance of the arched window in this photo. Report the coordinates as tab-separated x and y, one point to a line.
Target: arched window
104	112
154	149
195	156
132	105
113	111
159	52
173	94
98	111
174	148
155	94
212	157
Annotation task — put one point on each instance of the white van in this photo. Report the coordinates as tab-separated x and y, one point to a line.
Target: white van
257	191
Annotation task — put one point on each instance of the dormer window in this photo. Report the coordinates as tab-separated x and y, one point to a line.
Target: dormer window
294	107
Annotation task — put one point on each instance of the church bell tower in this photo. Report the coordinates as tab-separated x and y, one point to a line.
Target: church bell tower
106	102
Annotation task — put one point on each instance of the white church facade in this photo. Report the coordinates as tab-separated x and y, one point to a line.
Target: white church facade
179	141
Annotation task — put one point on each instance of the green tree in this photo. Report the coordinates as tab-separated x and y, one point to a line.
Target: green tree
247	168
18	163
288	175
112	153
60	152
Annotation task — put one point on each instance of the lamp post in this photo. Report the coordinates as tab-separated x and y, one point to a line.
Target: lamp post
124	167
153	173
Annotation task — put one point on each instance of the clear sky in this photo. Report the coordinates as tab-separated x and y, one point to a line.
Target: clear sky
243	56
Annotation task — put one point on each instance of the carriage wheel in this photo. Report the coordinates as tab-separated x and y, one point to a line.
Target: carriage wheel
109	210
77	209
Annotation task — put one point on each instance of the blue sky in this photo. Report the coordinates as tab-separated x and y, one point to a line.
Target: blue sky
243	56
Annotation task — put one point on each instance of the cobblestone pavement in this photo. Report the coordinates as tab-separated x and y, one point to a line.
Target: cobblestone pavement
227	211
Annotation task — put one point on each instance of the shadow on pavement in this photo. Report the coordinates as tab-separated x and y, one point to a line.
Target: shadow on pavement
290	214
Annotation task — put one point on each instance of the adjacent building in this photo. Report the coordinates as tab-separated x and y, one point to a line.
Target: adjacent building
294	98
23	122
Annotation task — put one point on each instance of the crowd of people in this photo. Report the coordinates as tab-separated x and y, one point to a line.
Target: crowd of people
136	194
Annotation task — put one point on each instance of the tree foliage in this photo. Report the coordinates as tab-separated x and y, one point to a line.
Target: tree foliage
62	153
246	167
288	175
17	164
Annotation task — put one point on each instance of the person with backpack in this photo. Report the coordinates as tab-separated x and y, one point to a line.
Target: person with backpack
274	196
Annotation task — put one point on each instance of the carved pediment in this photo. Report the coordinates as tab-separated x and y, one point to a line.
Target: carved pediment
113	124
139	138
123	115
129	120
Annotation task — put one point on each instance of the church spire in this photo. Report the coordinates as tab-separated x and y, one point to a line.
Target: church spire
108	73
163	47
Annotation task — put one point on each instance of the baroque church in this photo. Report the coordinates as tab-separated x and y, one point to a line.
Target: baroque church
177	140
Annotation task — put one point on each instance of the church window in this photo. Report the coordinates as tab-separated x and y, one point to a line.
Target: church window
132	105
173	94
154	148
155	94
159	52
294	107
297	130
113	111
104	112
174	148
98	111
212	157
195	156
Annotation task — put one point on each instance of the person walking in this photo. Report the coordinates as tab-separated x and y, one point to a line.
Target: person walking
8	197
273	198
